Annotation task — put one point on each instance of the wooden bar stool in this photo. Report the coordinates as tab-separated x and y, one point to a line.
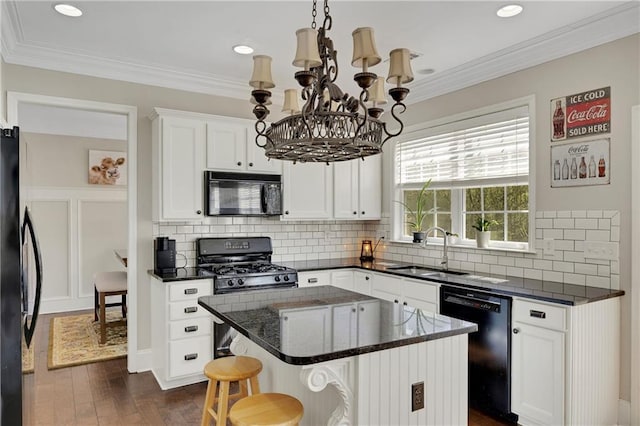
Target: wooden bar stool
221	372
266	409
109	284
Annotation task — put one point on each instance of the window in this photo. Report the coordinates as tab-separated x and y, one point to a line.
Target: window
478	164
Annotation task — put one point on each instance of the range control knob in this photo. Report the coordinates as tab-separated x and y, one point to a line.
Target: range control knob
277	278
286	277
240	281
230	283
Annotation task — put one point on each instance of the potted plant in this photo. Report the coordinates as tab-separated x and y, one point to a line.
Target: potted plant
418	213
483	233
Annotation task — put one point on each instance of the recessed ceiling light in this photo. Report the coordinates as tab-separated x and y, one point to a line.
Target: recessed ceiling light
67	10
243	49
509	10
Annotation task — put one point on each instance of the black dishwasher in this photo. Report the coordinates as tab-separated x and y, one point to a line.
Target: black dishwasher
489	347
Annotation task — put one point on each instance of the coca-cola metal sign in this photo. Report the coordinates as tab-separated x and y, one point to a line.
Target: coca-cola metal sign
582	163
583	114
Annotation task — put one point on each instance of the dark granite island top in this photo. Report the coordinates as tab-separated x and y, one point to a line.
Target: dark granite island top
304	326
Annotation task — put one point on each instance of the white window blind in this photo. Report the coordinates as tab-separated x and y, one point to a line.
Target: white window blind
491	146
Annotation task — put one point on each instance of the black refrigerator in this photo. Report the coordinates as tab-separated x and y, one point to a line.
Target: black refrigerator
20	280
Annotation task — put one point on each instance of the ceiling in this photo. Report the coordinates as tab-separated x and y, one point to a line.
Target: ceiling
187	45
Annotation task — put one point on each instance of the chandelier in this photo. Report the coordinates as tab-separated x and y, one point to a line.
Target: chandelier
332	125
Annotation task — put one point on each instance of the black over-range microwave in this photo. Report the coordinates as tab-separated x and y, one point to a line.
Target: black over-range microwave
242	194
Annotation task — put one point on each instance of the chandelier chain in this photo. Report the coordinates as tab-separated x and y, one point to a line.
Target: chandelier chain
314	13
326	8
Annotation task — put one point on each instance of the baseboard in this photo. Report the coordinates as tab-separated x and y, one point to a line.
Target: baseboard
624	413
142	362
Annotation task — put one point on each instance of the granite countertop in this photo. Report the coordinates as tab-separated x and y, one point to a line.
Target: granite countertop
290	323
550	291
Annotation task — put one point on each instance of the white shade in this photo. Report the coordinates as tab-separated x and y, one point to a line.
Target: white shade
307	55
376	92
291	101
400	67
364	48
261	78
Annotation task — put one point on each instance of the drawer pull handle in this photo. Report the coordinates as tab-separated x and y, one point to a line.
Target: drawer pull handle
190	309
190	291
312	280
190	357
191	329
537	314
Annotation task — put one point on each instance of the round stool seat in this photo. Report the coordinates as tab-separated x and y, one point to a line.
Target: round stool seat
232	368
266	409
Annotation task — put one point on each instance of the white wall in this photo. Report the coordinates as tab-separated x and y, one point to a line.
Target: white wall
614	64
78	224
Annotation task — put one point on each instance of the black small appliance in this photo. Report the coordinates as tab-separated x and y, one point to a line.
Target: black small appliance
164	259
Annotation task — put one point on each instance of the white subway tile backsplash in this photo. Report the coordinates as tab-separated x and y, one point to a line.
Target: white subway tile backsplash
549	214
577	279
603	282
552	276
598	235
498	270
586	223
563	223
563	214
563	266
595	213
574	234
544	223
578	213
534	274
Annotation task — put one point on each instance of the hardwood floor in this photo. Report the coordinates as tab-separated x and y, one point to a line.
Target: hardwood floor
104	393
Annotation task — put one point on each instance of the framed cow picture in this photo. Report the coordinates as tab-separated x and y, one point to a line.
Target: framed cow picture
107	167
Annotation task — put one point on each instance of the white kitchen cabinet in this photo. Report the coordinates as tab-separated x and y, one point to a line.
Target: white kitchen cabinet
343	278
314	278
178	151
362	282
357	190
355	324
307	191
307	329
231	147
387	287
181	332
421	294
565	362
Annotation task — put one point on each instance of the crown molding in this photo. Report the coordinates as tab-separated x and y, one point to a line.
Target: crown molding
611	25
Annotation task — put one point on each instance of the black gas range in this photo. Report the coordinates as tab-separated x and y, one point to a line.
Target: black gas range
241	264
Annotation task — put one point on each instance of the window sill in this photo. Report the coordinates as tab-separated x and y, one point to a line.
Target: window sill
470	245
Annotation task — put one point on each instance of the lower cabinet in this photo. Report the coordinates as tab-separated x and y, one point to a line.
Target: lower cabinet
565	362
312	326
181	332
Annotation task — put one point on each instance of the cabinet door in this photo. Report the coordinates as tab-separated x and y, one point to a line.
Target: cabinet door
362	282
306	331
421	294
345	326
226	146
387	287
370	187
368	322
314	278
257	162
537	374
307	191
345	189
342	279
183	145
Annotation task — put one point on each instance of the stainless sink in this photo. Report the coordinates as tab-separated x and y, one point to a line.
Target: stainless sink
422	270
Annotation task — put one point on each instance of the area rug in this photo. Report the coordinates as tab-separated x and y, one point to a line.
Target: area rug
27	358
75	340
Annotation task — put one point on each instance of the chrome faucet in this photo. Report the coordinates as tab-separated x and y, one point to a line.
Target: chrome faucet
445	259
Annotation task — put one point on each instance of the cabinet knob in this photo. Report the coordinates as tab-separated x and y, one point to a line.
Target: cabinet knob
363	212
250	164
353	309
395	301
198	211
404	303
361	308
286	318
287	212
366	278
516	330
239	163
355	212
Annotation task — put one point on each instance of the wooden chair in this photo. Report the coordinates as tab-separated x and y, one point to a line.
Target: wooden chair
109	284
221	372
266	409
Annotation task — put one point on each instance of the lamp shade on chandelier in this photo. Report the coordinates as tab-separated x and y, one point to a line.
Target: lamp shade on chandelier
331	125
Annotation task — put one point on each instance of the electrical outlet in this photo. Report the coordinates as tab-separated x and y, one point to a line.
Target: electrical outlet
601	250
417	396
549	246
381	234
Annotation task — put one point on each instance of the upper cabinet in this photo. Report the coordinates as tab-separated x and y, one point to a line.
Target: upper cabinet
307	191
357	188
178	152
231	146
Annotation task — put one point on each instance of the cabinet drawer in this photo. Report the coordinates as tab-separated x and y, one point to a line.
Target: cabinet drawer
189	290
314	278
539	314
195	327
186	310
421	290
189	356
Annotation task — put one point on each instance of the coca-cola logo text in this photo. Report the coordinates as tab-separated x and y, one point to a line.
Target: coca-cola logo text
579	149
595	112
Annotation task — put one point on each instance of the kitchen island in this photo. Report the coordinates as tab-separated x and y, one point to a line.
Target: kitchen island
350	358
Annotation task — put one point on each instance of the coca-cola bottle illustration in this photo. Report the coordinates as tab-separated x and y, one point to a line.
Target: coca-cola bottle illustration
574	168
565	170
558	121
556	170
602	167
583	169
592	167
